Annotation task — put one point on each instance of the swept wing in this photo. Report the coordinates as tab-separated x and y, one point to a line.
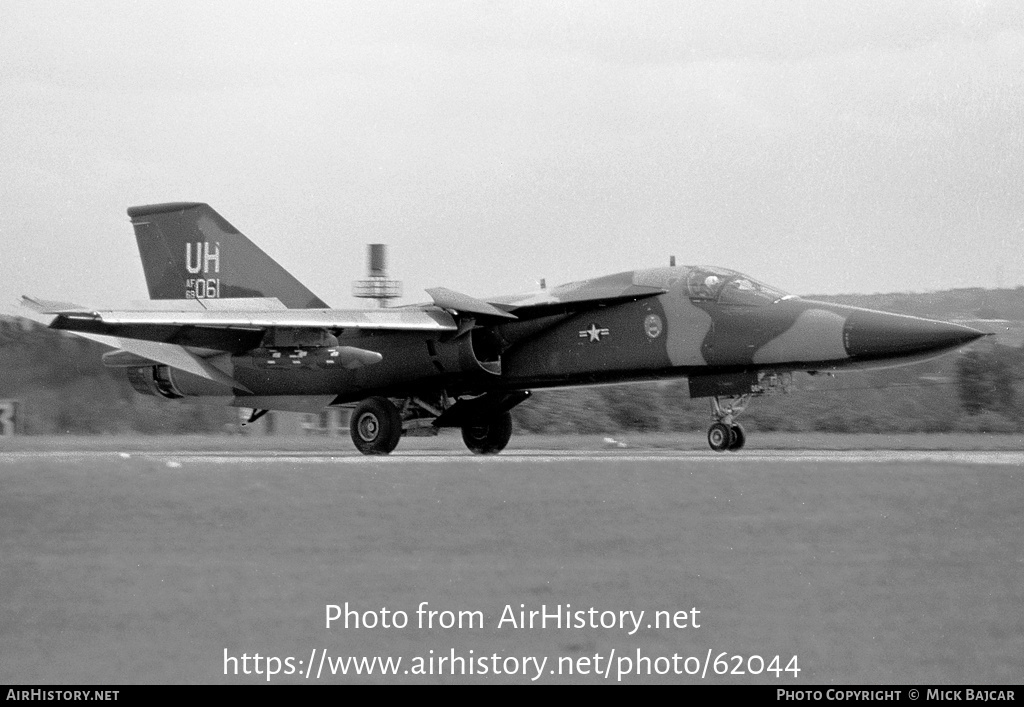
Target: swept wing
232	330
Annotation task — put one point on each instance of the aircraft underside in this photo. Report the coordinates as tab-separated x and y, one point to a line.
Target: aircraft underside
381	417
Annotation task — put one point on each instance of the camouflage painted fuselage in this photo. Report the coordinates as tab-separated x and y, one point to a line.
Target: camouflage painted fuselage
719	338
676	334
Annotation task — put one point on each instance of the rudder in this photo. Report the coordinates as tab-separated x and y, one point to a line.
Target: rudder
189	251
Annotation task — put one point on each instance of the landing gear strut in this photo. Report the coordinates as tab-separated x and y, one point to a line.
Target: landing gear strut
726	434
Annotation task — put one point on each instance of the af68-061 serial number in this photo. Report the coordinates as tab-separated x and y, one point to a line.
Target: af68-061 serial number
199	288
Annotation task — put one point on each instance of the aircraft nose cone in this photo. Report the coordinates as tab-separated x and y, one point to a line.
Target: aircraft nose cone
875	335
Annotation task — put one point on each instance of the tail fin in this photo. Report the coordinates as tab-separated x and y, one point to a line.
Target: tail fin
189	251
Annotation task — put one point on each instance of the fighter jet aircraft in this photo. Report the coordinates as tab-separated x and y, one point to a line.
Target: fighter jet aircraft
230	325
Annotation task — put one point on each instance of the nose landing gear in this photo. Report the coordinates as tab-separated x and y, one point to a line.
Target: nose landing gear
725	434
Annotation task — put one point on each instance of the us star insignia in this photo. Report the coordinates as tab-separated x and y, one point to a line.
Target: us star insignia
594	333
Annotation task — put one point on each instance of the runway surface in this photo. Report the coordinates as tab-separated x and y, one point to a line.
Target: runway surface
1000	458
146	560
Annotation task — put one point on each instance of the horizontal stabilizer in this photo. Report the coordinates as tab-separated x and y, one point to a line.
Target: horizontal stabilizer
170	355
452	300
45	306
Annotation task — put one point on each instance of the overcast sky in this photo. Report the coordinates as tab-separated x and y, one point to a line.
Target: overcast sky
819	146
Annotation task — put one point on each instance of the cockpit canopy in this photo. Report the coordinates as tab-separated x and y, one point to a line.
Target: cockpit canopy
730	287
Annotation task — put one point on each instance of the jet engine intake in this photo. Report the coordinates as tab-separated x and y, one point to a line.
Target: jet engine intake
476	351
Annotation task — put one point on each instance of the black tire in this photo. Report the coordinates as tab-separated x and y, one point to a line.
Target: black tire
375	426
720	437
739	438
489	437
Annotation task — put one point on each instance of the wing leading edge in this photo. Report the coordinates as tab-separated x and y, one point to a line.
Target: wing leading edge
196	341
235	331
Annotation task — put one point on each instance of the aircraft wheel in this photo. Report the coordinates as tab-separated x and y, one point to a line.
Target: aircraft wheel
739	438
489	437
376	426
720	437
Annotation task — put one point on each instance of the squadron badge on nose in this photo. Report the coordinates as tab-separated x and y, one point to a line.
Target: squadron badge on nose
594	333
652	325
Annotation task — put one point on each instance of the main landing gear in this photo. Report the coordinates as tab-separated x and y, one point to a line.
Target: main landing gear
488	436
725	434
377	424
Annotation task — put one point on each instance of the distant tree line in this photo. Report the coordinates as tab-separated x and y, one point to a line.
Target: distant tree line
989	384
980	391
64	388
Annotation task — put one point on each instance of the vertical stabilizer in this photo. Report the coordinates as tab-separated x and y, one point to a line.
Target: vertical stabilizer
189	251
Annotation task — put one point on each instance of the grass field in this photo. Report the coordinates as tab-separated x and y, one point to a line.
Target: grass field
127	570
